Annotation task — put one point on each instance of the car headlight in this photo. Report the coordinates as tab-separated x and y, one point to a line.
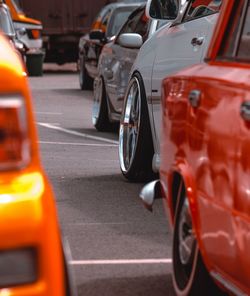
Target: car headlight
18	267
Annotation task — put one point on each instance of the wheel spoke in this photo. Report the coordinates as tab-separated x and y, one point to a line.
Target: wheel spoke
130	126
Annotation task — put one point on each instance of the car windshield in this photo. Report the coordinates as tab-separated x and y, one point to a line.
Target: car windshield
118	18
5	22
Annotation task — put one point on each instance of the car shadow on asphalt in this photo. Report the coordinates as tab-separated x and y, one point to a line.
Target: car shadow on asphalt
138	286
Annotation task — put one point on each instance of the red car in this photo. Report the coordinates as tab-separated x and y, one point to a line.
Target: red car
205	162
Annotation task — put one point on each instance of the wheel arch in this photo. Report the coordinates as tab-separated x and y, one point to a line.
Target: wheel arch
182	173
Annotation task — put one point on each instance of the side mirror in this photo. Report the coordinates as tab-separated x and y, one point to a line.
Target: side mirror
130	40
163	9
97	35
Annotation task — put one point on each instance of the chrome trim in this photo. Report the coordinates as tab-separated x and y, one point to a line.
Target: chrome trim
149	193
229	286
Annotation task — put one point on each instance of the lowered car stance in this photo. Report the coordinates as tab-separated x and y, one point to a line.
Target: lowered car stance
181	42
205	164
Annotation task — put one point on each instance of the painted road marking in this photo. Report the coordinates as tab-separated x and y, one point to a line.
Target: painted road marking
49	113
71	132
77	144
117	262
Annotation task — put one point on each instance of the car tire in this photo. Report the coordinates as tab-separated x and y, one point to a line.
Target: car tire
34	64
190	276
135	138
86	82
100	112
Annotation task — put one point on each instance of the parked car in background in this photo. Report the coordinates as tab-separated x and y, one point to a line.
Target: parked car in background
7	27
64	22
105	27
205	162
29	32
171	48
115	63
32	258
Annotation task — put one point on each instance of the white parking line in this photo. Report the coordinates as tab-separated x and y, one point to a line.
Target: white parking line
49	113
77	144
82	135
122	261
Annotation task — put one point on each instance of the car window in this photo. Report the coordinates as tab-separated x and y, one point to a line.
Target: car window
5	22
244	42
118	18
137	23
161	23
236	43
101	20
200	8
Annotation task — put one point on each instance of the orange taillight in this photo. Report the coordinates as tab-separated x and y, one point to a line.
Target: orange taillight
36	34
14	140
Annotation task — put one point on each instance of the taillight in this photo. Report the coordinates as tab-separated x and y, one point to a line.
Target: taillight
14	140
36	34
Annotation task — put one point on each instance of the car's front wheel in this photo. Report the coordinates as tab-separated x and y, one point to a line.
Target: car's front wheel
190	276
135	138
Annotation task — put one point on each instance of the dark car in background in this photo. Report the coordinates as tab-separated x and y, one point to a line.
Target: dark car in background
106	25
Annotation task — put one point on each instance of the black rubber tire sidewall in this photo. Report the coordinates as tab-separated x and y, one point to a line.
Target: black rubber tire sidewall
103	123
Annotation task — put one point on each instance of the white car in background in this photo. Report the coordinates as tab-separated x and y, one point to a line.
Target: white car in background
182	43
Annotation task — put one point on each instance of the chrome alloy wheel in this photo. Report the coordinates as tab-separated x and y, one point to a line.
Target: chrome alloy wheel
130	125
98	94
187	240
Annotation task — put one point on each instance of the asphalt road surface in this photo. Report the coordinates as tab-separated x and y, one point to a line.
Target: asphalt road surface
118	248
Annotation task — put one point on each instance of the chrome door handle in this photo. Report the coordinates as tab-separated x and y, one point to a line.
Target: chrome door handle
194	98
245	110
197	41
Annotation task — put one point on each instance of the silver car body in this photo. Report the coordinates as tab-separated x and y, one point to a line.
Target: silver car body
167	51
114	68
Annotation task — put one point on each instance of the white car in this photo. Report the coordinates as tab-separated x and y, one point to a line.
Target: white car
178	44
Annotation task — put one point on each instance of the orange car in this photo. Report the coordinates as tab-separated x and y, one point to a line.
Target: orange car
205	162
32	260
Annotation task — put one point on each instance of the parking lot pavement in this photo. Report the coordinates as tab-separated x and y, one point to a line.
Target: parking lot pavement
117	246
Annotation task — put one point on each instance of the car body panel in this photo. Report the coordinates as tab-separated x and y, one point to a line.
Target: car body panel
207	142
117	66
116	62
181	53
154	65
90	50
27	205
213	141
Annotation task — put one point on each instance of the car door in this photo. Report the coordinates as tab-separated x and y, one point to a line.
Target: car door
182	45
219	141
117	71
